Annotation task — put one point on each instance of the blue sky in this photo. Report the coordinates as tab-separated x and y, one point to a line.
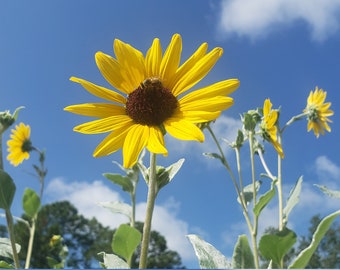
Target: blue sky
277	49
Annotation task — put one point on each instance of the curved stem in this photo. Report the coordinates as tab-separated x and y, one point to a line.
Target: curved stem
239	191
41	176
264	164
292	120
30	243
149	211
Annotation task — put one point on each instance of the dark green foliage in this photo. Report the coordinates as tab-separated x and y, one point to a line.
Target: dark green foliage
84	238
327	254
159	255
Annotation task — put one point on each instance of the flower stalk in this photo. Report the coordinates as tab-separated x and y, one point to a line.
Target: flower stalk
149	211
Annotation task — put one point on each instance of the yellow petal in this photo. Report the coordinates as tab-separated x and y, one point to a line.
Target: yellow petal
183	130
99	110
196	116
222	88
112	142
131	62
100	91
209	105
153	59
188	65
171	59
112	72
135	141
104	125
156	141
197	72
267	106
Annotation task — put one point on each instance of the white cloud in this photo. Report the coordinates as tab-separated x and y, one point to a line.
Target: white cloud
85	196
258	18
327	170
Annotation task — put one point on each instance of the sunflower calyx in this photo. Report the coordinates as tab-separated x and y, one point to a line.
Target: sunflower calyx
163	175
7	119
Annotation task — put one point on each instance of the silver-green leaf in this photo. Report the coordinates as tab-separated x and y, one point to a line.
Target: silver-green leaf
112	261
243	257
118	207
303	258
293	199
208	256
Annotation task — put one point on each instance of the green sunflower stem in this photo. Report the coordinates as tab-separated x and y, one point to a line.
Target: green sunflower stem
10	227
149	211
30	243
9	219
279	188
1	161
255	221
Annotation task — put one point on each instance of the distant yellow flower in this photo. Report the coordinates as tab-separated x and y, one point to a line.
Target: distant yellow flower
269	128
55	240
152	101
318	112
20	144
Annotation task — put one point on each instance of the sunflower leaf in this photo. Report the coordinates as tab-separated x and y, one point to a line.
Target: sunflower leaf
124	182
30	202
7	190
293	199
165	175
6	248
112	261
208	256
248	192
243	257
275	246
329	192
303	258
125	241
263	201
118	207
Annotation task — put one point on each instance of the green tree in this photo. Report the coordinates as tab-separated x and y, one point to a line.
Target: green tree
159	256
84	238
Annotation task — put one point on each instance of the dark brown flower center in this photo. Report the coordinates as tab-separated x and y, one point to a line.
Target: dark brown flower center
151	104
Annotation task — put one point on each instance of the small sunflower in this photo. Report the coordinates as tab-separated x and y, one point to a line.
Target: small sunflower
20	144
318	112
151	101
269	128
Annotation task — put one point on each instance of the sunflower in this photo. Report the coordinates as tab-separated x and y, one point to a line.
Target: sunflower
318	112
151	101
269	128
20	144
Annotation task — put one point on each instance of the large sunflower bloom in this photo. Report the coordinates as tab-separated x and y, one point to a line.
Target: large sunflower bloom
269	128
151	102
20	144
318	112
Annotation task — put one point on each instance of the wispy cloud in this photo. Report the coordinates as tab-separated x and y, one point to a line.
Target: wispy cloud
85	196
327	170
259	18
